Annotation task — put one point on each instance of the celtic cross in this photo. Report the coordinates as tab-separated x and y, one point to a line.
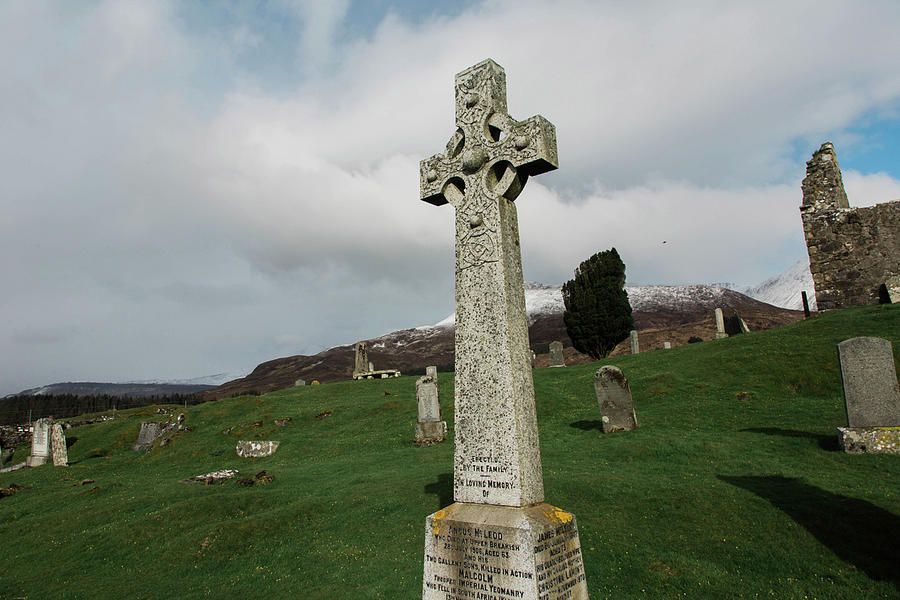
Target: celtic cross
486	164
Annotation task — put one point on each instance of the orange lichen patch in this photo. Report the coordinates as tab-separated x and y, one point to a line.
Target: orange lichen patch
436	521
559	515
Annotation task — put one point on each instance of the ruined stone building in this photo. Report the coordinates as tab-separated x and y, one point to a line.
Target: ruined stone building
853	252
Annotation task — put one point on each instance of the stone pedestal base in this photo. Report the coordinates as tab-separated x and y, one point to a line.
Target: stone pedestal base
477	551
430	432
859	440
721	336
36	461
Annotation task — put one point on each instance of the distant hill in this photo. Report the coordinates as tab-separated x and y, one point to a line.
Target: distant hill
661	313
123	390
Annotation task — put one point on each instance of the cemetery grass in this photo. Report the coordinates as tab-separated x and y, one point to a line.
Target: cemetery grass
732	487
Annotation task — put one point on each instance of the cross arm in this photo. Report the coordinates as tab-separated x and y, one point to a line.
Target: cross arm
532	146
433	175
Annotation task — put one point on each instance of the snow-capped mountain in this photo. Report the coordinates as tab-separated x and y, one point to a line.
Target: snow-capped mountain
784	289
542	299
214	380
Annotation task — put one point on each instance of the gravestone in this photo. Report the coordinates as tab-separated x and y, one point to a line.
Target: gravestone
499	539
614	400
635	346
300	383
892	285
667	345
556	355
150	430
58	446
40	443
720	325
806	313
256	448
871	396
361	364
430	429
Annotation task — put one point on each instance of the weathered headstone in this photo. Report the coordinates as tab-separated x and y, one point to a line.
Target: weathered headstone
614	400
635	346
499	539
720	325
371	366
430	429
667	345
871	396
58	446
893	289
556	355
150	431
300	383
40	443
361	364
256	448
431	371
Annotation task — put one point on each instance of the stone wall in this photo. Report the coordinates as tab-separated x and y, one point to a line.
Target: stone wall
852	251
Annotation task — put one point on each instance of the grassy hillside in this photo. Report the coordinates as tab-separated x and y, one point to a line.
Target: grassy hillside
732	487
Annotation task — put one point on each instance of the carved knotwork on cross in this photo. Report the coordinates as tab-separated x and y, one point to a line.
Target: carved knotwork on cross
490	156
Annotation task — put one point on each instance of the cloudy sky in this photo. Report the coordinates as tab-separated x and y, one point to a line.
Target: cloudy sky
196	187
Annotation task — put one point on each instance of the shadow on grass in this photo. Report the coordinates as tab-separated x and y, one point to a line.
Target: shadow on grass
442	488
857	531
587	425
826	442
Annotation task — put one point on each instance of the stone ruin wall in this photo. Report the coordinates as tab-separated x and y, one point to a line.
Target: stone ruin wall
852	251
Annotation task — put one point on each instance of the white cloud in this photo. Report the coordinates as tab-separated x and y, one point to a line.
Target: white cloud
135	190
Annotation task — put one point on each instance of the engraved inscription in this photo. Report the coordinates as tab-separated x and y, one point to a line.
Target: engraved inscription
560	565
466	560
474	562
485	473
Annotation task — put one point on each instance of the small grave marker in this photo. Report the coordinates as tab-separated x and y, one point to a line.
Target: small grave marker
40	443
614	400
871	396
556	355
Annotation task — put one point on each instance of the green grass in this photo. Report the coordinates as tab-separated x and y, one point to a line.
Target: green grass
732	487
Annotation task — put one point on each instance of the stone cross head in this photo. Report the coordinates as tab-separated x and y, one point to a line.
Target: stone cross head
490	155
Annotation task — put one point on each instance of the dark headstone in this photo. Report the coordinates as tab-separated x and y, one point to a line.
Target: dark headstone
614	400
871	392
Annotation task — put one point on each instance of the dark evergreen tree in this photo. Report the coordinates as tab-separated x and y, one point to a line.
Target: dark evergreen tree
598	315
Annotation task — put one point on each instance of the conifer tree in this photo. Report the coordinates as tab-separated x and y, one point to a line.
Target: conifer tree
598	315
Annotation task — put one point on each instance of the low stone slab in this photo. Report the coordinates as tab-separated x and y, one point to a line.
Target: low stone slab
869	440
614	400
255	448
382	374
211	478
